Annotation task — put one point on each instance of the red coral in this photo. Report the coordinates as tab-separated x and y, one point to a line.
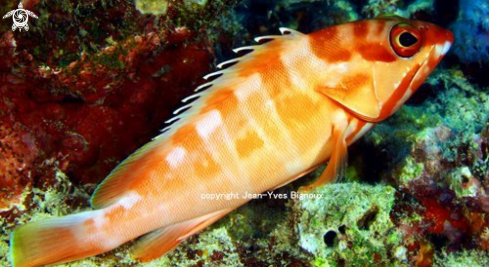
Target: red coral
88	114
442	217
18	151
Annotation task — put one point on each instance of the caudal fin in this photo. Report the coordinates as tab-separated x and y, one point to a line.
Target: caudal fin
55	240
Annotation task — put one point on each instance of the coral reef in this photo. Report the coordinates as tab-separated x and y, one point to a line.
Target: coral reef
465	258
349	224
86	100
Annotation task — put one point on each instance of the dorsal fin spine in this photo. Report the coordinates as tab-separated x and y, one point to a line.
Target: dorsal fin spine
180	109
204	86
244	48
190	97
266	37
222	64
287	31
212	74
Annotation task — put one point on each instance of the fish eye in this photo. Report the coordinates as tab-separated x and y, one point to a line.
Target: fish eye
405	40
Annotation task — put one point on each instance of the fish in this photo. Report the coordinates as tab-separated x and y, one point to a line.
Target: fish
290	104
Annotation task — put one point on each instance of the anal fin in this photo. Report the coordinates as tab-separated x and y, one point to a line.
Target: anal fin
161	241
337	162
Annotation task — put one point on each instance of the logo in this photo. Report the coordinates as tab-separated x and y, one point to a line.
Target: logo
20	17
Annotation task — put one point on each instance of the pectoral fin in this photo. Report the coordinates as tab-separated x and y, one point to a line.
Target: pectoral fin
161	241
337	162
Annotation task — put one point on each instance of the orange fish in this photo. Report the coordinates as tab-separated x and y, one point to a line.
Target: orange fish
268	118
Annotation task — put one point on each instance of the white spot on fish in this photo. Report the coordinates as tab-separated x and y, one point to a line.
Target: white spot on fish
339	118
442	49
339	69
209	124
253	83
129	200
175	157
446	47
99	221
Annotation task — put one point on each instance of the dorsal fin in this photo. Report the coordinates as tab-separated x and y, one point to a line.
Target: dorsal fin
123	177
229	77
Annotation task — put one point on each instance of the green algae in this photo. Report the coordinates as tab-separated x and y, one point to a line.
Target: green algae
472	258
160	7
411	171
152	7
459	185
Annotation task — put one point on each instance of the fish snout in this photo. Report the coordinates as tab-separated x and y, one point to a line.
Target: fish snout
448	41
443	41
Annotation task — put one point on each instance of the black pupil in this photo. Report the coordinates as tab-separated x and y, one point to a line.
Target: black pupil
406	39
